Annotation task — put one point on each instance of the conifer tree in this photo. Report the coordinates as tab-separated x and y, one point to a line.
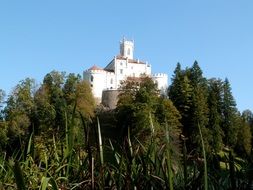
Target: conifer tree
188	92
2	95
199	108
215	111
229	112
180	92
243	144
247	117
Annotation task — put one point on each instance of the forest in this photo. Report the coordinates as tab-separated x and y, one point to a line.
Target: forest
54	136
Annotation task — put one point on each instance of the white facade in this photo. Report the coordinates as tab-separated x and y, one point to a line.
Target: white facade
121	67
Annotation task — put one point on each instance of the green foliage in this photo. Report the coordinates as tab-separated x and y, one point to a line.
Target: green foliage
188	92
229	112
50	138
137	100
215	114
19	113
3	133
180	93
140	101
2	95
205	160
19	176
244	136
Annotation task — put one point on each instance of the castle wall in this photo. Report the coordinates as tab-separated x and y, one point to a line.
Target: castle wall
105	82
162	82
110	98
97	81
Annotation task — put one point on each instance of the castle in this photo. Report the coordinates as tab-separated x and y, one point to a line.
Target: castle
105	82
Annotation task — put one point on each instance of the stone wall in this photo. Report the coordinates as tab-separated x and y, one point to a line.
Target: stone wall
110	98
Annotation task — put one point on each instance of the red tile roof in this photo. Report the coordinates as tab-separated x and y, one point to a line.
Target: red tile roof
94	67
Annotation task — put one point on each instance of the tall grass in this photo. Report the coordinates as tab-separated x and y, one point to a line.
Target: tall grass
169	165
205	162
101	165
100	143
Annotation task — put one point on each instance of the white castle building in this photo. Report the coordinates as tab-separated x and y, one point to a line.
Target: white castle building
119	69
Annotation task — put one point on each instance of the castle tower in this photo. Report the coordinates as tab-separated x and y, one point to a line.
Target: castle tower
127	48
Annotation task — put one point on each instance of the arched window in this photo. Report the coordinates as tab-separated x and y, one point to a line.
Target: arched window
91	78
111	81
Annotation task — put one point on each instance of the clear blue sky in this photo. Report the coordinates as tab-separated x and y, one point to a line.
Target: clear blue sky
37	37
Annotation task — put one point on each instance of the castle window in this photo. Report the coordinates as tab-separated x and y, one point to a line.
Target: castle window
91	78
121	63
128	51
111	81
121	71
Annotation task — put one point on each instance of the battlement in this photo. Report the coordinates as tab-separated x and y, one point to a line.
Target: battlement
105	81
95	71
159	75
124	40
110	73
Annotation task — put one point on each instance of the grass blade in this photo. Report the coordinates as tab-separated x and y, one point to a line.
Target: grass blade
100	143
205	164
19	178
168	156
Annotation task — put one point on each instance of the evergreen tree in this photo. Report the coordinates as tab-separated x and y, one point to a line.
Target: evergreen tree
188	92
243	144
199	108
196	75
180	93
2	95
3	126
247	116
229	112
215	111
199	117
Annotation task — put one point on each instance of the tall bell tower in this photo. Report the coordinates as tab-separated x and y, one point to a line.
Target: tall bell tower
127	48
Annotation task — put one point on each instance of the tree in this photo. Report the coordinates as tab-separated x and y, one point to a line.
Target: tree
196	75
199	117
215	111
78	93
138	103
59	101
3	126
2	95
52	85
243	144
247	117
135	105
19	111
180	93
188	92
229	112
